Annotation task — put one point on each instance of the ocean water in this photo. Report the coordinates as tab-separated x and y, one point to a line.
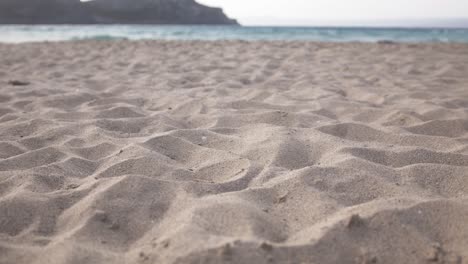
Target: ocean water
21	33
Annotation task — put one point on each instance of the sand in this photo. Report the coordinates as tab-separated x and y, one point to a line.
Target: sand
233	152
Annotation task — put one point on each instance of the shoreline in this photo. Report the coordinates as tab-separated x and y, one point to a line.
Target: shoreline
219	33
236	41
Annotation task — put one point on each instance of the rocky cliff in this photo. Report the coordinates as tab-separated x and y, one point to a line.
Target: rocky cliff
110	12
43	12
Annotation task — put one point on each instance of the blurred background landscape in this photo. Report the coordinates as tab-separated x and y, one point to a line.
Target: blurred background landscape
362	20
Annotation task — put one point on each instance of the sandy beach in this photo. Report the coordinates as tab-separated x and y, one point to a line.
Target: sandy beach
233	152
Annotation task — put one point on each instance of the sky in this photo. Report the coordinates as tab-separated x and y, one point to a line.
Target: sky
342	12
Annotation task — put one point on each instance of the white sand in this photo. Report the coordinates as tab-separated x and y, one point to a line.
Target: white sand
236	152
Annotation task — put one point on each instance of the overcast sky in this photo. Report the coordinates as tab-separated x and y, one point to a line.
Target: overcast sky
309	12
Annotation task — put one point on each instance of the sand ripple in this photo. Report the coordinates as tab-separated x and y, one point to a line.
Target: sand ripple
211	152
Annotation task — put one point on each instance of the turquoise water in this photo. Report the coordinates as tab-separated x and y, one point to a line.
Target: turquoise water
15	34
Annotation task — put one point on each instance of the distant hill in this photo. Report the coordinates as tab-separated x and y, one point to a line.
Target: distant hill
110	12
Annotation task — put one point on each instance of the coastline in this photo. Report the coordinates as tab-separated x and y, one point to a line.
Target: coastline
18	33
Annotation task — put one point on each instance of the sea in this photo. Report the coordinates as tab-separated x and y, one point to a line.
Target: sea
34	33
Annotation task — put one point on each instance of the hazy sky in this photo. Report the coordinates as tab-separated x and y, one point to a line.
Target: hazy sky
251	12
